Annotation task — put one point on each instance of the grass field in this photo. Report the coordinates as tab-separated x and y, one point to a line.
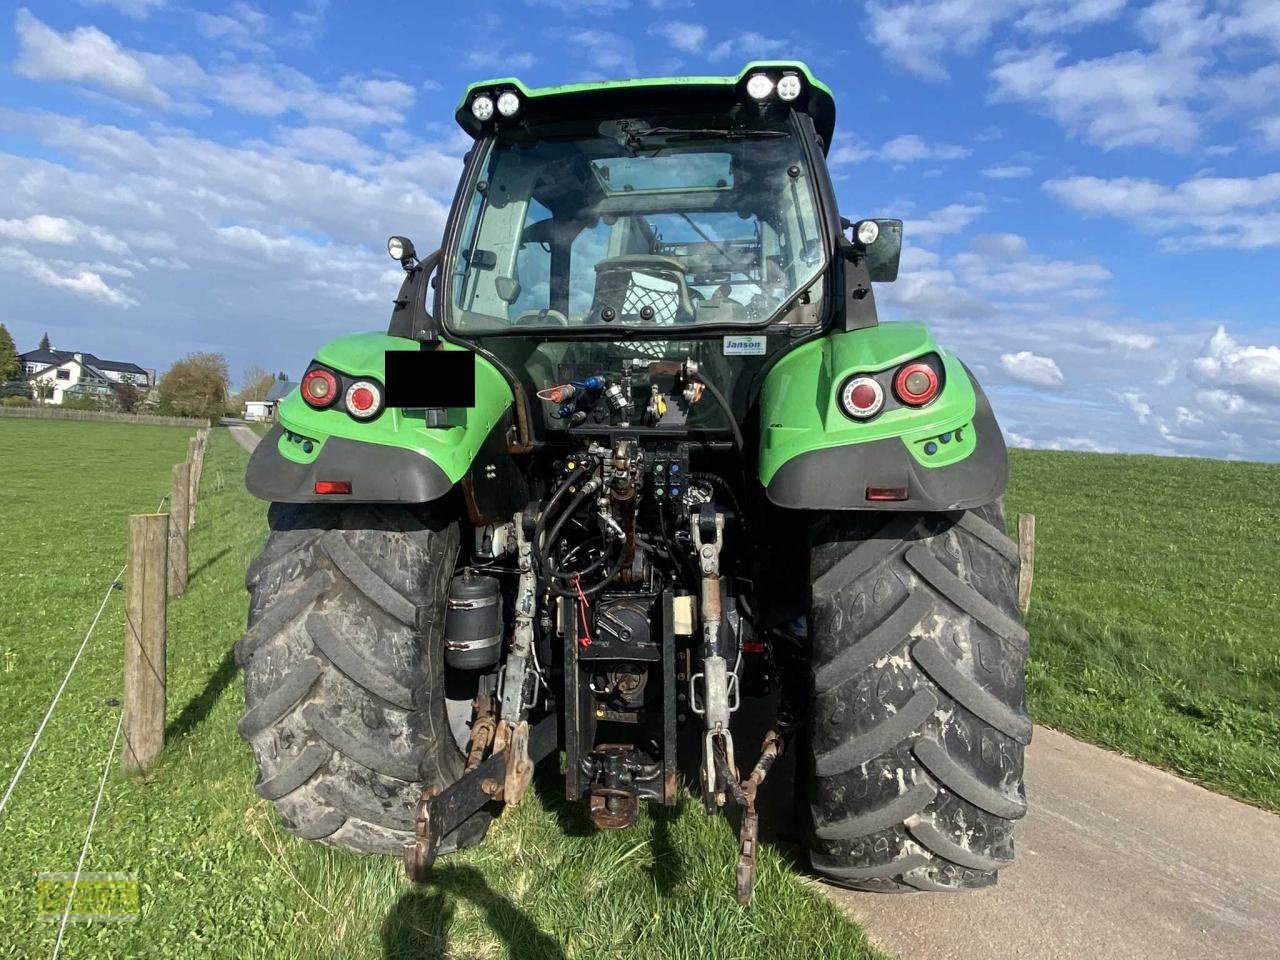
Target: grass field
1155	618
1153	632
218	877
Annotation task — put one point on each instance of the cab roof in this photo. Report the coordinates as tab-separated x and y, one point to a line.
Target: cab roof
613	96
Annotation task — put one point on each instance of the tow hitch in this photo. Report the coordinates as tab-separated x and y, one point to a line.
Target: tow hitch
442	812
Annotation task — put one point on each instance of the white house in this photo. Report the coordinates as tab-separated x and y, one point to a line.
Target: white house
65	372
265	409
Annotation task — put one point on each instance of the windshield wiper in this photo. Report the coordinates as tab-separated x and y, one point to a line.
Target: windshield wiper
697	133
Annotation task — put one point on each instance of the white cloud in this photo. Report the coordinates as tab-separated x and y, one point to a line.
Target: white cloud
920	34
899	151
242	25
77	278
1123	100
1082	444
137	9
583	6
83	55
1203	211
751	46
683	35
88	56
910	147
949	219
1224	403
1007	171
610	53
1141	409
1130	341
1188	418
500	57
1000	264
42	228
1031	368
1269	128
1248	370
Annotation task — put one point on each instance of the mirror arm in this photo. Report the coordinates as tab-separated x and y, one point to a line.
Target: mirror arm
424	327
859	302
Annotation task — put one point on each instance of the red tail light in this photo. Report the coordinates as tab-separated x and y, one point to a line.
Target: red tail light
886	493
333	486
364	399
916	384
319	388
861	397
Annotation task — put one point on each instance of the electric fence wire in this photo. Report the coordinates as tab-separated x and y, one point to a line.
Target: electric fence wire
26	757
84	848
17	774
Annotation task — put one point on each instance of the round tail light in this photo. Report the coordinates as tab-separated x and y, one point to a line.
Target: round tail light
916	384
364	399
861	397
319	388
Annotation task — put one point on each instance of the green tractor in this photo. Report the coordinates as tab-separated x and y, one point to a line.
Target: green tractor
634	467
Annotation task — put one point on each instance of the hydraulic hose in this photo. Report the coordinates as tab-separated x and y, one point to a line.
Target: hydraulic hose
579	499
556	497
728	412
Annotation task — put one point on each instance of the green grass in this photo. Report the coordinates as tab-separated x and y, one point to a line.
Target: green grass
1153	633
219	878
1155	613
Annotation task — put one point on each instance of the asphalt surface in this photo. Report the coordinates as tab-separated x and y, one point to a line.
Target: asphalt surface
243	435
1115	859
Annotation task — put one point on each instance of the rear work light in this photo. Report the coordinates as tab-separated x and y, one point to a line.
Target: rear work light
333	486
319	388
861	397
916	384
364	399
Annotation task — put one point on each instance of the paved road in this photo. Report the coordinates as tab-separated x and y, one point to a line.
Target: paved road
243	436
1115	860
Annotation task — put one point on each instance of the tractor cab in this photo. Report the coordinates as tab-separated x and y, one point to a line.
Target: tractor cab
689	221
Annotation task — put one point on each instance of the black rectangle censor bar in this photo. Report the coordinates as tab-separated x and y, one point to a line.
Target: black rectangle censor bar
431	378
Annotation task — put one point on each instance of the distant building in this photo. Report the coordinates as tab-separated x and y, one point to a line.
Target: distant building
67	373
265	409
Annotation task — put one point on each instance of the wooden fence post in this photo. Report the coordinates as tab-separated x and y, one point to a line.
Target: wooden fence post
179	505
1026	559
193	487
146	608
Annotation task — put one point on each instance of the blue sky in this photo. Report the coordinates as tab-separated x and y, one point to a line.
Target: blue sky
1091	188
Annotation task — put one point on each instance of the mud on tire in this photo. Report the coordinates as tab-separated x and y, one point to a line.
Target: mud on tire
344	672
918	718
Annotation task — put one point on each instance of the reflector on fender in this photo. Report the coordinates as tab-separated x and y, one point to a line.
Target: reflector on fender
886	493
333	486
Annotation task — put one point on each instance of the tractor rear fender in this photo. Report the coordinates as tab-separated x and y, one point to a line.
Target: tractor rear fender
392	458
948	454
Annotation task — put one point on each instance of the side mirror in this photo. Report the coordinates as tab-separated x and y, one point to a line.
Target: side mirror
880	243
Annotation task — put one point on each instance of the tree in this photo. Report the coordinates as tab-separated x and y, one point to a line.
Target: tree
253	386
127	396
195	386
10	366
44	342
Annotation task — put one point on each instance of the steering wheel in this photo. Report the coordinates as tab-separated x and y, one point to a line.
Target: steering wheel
540	318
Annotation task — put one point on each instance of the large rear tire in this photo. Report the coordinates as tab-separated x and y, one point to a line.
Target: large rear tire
344	671
918	718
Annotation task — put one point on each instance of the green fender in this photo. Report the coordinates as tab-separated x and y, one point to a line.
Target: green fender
394	458
948	454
